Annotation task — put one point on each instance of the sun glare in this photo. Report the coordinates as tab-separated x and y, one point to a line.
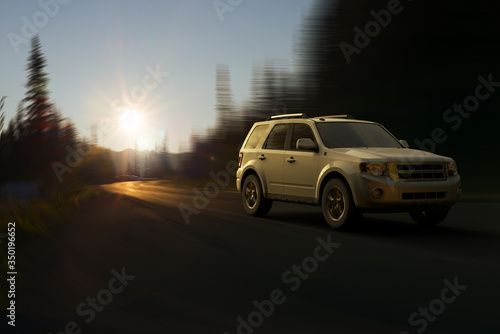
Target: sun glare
130	120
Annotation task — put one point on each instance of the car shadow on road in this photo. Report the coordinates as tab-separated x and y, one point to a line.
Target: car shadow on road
388	227
395	225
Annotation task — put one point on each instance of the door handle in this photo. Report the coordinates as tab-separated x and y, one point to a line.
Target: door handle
262	157
290	160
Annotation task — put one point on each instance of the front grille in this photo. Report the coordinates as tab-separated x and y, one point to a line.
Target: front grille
421	195
421	172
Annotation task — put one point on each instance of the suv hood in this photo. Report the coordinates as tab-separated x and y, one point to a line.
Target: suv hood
374	154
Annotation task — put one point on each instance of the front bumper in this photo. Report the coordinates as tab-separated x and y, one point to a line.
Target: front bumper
384	194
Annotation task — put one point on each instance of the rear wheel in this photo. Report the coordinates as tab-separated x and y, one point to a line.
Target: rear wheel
338	205
253	197
429	217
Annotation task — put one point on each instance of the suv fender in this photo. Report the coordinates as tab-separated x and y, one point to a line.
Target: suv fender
251	170
337	168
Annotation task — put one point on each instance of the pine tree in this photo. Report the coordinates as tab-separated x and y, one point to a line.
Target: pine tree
39	109
224	97
93	136
3	137
129	169
2	115
137	170
147	164
40	120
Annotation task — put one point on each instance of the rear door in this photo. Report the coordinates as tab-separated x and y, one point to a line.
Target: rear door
271	158
300	166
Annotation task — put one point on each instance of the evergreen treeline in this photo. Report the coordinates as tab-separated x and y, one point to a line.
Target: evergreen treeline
40	145
406	75
275	88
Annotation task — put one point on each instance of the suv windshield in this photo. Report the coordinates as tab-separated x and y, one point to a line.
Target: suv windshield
347	134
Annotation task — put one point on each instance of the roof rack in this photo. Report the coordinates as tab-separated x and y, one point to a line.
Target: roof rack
337	116
287	116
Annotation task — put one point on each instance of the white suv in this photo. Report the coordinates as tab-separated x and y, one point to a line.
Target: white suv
345	165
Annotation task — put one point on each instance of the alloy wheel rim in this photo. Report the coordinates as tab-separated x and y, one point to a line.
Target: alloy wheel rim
423	213
336	203
251	194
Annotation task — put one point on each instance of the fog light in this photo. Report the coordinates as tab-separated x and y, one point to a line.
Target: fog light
378	193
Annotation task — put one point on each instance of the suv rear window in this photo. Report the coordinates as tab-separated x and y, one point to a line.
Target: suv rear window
256	135
277	137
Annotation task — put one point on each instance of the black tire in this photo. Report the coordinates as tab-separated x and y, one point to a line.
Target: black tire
338	205
253	198
429	217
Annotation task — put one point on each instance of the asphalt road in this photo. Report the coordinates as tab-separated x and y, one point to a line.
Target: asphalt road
129	262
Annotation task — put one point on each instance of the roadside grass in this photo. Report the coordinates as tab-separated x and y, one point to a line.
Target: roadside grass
36	216
34	219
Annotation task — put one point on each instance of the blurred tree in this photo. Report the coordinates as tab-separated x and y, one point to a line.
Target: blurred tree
137	160
2	114
164	146
407	72
38	136
10	142
93	135
224	97
271	87
129	169
42	119
147	164
3	137
415	68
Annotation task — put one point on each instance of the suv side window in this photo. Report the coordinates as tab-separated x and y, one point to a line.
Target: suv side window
277	137
256	135
300	131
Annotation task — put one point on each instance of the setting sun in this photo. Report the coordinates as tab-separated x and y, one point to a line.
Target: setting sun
130	120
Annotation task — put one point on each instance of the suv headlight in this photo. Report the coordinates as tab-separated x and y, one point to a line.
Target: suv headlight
452	168
376	169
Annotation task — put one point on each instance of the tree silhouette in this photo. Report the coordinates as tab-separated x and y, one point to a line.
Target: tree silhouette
147	164
224	98
37	141
2	114
137	160
38	106
38	116
129	169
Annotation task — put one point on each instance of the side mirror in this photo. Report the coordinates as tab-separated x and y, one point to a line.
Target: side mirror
404	143
306	144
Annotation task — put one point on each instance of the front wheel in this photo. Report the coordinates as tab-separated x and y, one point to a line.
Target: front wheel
253	198
428	217
338	205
